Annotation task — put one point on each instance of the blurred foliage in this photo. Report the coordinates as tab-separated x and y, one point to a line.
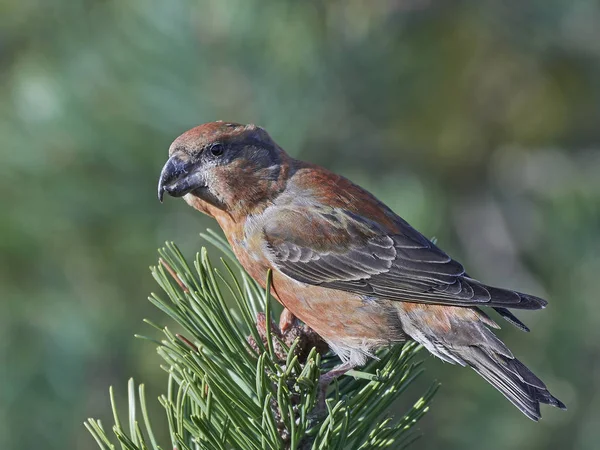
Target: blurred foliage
476	121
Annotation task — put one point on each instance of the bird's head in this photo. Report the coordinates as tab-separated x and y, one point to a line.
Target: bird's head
223	165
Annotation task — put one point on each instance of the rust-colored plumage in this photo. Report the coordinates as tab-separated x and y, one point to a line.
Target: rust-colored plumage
342	261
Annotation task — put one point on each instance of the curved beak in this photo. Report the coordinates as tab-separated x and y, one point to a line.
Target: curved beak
179	177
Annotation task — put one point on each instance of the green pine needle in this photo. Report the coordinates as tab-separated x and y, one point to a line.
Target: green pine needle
224	393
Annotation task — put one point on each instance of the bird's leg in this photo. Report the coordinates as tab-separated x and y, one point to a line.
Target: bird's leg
326	379
320	409
287	320
289	329
324	382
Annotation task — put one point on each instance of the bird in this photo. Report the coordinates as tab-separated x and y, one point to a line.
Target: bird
343	262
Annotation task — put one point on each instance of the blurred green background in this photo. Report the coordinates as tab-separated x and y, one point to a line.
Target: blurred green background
478	122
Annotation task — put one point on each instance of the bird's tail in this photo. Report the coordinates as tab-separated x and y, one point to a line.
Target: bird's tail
461	336
512	378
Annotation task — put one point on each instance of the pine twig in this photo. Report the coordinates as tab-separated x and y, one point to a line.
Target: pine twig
233	386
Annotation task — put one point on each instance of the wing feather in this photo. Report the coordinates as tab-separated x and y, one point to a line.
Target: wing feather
358	255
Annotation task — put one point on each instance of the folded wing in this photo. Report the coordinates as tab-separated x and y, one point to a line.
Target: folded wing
339	249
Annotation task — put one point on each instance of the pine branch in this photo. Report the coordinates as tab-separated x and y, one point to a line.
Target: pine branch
227	389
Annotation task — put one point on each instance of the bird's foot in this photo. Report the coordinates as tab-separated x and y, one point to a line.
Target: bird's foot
288	330
287	320
324	382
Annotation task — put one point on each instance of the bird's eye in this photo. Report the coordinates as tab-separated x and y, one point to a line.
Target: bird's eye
216	149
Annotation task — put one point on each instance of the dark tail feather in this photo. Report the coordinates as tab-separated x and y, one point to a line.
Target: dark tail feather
468	341
511	318
515	381
505	298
